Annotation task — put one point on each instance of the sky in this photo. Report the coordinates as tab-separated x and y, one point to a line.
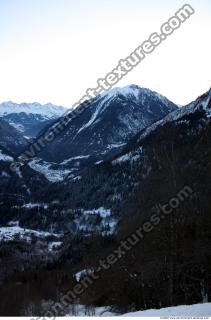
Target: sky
54	50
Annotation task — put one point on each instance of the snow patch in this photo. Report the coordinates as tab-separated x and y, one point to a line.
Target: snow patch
115	145
126	157
199	310
101	211
84	311
75	158
83	273
35	205
4	157
10	233
54	245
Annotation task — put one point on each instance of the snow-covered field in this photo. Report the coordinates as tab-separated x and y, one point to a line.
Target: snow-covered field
53	175
195	310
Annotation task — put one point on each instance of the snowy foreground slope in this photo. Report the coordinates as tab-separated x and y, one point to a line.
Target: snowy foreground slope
200	310
196	310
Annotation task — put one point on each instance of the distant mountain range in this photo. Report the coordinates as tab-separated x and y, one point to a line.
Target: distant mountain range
29	118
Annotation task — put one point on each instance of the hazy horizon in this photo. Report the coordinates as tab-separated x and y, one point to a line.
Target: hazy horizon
54	51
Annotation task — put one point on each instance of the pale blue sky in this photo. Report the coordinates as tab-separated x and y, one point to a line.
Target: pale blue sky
53	50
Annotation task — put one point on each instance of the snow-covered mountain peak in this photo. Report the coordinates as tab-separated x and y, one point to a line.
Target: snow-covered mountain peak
134	92
108	123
